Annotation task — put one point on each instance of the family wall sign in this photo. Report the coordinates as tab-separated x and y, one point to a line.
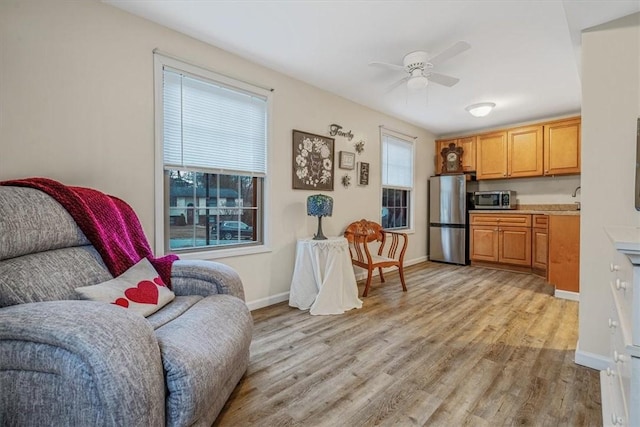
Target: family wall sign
335	129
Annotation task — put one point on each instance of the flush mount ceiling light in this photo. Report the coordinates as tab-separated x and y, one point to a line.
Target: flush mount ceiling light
481	109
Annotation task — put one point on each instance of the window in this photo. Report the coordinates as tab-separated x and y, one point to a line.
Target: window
397	180
212	143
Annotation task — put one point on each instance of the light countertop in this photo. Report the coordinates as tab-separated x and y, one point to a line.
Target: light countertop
526	211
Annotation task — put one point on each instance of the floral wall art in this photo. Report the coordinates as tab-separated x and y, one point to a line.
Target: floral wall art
312	161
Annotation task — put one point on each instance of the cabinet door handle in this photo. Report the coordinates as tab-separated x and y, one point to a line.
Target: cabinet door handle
610	372
617	357
612	323
613	267
616	420
621	284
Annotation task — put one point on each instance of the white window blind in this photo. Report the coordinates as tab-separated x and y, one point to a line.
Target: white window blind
213	127
397	162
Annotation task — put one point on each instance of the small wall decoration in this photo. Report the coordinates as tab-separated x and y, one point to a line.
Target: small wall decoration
346	181
359	146
347	160
363	173
335	129
312	161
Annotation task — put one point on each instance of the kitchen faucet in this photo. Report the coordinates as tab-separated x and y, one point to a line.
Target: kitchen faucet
575	193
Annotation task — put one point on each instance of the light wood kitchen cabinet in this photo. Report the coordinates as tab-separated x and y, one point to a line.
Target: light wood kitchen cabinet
468	145
515	245
545	148
512	154
540	244
524	152
484	243
546	245
438	158
501	239
491	156
562	147
564	252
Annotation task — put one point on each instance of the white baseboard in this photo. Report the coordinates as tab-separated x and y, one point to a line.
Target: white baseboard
270	300
573	296
591	360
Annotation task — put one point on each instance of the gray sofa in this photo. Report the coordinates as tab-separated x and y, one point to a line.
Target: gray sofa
69	362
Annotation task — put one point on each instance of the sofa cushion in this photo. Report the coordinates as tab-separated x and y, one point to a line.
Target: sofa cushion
139	289
31	221
173	310
51	275
201	350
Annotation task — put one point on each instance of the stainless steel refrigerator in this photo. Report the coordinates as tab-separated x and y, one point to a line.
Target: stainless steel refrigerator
449	196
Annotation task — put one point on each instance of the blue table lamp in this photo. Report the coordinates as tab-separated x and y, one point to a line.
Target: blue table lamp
319	205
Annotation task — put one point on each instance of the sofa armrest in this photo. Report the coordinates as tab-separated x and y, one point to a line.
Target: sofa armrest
79	363
195	277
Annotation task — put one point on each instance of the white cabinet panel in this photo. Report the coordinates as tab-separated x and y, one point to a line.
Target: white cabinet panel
620	383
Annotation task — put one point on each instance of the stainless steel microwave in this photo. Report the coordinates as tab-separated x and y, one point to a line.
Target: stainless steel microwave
494	199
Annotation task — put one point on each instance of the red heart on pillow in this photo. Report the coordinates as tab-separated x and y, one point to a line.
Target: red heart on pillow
145	293
121	302
158	281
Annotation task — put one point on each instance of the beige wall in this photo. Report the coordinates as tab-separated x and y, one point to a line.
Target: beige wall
610	95
76	105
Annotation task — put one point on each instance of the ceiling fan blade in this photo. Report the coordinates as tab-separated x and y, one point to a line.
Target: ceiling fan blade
398	83
442	79
450	52
386	65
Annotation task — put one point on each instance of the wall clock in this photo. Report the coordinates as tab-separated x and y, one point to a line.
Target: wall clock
452	159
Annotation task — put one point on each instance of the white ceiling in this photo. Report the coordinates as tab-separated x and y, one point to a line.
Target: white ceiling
524	56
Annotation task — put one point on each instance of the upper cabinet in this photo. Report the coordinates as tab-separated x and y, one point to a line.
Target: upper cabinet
468	145
524	152
491	157
562	147
510	154
549	148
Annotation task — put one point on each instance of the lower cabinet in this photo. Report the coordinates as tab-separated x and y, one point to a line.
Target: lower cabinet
514	245
501	239
547	245
484	243
564	252
540	244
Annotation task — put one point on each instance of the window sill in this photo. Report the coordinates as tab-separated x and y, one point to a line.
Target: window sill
224	253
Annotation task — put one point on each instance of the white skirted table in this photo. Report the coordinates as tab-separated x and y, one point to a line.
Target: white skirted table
323	279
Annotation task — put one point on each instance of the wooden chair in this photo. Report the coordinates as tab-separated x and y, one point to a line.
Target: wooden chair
361	235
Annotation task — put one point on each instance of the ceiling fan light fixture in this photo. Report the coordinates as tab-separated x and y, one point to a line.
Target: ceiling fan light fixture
417	82
480	110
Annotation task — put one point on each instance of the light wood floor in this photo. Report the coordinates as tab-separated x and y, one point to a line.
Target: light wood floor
464	346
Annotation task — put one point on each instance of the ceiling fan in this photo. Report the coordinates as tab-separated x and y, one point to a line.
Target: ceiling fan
419	66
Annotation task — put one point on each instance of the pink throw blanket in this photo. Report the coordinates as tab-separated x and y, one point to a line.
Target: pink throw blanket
109	223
